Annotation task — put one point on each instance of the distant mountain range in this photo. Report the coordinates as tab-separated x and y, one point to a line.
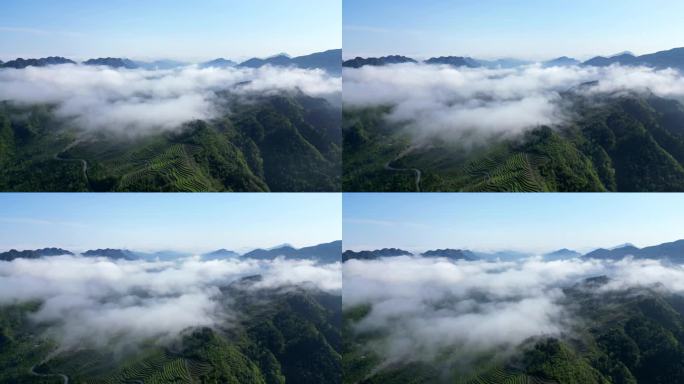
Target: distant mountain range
32	254
220	254
113	62
672	251
370	255
562	61
673	58
377	61
561	254
329	61
117	254
218	63
23	63
454	254
454	61
323	253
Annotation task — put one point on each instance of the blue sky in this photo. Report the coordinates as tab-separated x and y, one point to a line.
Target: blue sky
525	222
535	29
189	222
177	29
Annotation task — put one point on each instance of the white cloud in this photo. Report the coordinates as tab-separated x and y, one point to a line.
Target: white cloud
427	306
140	100
452	102
99	300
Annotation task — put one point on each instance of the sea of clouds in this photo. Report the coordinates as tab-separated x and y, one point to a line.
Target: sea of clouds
449	102
100	301
137	100
426	306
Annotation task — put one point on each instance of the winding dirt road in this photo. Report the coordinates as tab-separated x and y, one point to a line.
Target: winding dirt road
32	371
389	167
84	164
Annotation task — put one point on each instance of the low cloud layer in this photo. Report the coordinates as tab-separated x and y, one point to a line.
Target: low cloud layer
137	100
100	301
454	102
430	306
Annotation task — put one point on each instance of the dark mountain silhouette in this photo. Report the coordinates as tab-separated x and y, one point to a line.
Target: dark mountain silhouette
672	251
562	61
613	254
276	61
359	62
561	254
23	63
32	254
329	61
325	253
218	63
370	255
454	254
111	253
113	62
269	254
673	58
220	254
600	61
455	61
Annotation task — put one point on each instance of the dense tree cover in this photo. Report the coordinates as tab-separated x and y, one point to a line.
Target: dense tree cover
287	142
290	335
627	336
615	143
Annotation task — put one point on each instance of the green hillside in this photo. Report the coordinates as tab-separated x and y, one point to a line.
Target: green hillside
614	143
281	336
275	143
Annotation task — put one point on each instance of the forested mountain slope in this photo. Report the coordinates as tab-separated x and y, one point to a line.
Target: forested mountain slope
279	142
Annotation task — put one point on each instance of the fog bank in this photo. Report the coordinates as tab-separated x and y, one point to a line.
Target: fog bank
444	101
138	100
99	301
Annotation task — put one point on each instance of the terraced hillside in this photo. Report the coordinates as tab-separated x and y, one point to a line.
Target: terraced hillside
287	142
289	335
615	143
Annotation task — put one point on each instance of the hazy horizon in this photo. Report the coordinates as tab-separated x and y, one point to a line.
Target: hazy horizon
181	222
174	29
80	60
528	29
534	223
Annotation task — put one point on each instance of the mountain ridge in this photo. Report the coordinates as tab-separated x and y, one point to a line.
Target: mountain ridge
324	252
33	254
671	58
671	251
329	60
